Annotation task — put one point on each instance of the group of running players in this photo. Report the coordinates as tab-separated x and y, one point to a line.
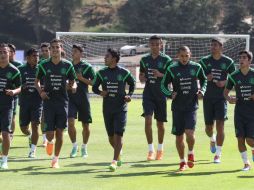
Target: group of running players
53	91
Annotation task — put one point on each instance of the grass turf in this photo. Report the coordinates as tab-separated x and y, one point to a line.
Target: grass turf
136	172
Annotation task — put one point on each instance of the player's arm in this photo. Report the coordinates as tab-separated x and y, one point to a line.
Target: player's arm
39	74
91	75
96	83
142	70
203	82
16	79
71	76
230	84
166	80
131	82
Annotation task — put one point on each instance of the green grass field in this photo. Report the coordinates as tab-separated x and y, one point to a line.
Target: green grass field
136	172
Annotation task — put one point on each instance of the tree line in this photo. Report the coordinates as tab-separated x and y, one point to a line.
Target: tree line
26	22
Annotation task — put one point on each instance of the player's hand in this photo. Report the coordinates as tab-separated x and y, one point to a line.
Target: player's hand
210	77
127	98
232	99
251	97
103	93
174	94
142	77
44	95
157	73
221	84
79	76
9	92
200	94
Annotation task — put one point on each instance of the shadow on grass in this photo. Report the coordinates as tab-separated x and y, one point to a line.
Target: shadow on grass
34	168
176	173
59	172
88	164
245	177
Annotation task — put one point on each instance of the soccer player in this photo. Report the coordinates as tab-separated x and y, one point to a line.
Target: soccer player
113	79
17	64
45	51
55	73
184	75
216	67
9	86
30	101
243	82
152	68
79	102
45	54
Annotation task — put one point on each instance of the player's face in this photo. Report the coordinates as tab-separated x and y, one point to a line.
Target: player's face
244	61
216	48
184	57
76	54
4	54
108	59
33	59
155	46
45	53
11	54
55	50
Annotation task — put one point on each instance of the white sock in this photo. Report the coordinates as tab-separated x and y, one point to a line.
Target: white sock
51	142
218	151
4	159
160	147
33	147
191	152
150	147
182	160
75	145
44	138
213	138
55	157
244	156
84	146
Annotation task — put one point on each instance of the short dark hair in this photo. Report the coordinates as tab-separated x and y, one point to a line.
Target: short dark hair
218	40
155	37
45	44
114	53
3	45
184	48
248	53
56	41
79	47
31	51
12	47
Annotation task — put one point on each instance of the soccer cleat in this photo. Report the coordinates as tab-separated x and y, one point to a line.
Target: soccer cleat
49	148
159	155
183	166
74	152
113	166
55	163
216	159
84	153
212	147
4	165
190	162
31	154
253	155
44	143
246	167
150	156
